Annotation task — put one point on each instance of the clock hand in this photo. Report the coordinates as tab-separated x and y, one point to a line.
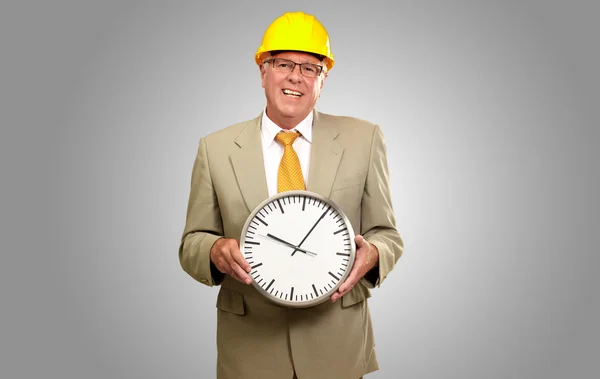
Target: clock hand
269	235
310	231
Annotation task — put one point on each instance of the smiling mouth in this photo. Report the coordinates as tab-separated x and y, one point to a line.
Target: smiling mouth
290	93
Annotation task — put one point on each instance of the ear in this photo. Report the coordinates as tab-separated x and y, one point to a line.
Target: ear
262	74
323	80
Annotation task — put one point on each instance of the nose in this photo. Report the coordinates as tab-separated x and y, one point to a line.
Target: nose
295	76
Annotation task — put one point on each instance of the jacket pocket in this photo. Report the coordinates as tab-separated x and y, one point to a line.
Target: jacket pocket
231	301
359	293
352	180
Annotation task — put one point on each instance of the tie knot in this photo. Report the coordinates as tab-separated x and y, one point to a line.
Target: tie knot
287	138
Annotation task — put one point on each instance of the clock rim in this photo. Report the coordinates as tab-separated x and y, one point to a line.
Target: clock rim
319	299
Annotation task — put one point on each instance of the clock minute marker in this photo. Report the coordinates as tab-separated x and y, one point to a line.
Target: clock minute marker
280	207
314	289
261	220
332	274
270	284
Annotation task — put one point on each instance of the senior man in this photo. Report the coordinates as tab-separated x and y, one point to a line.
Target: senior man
236	168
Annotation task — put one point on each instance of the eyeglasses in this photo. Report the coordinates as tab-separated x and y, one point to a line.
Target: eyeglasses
285	65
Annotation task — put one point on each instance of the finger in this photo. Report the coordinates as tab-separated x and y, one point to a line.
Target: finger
221	261
347	285
239	259
225	261
240	274
353	278
233	256
360	241
354	275
342	291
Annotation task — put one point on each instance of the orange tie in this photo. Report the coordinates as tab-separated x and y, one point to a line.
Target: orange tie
289	176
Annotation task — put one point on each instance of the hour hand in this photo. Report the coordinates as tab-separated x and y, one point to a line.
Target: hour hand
269	235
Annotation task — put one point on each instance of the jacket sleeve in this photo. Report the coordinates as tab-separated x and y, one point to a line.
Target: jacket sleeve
378	224
203	223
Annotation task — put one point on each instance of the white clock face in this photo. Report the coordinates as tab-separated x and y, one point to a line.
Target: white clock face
300	247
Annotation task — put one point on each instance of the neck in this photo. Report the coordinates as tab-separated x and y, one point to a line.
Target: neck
285	122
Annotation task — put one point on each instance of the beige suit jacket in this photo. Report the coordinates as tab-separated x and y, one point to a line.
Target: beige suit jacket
257	339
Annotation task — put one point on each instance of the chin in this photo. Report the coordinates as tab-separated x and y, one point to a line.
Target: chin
293	111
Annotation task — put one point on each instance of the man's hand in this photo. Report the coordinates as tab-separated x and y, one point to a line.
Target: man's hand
225	254
366	258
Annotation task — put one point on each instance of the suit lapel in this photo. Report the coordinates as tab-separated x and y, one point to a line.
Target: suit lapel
325	156
248	164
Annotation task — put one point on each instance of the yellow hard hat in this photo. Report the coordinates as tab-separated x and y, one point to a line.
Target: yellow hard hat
296	31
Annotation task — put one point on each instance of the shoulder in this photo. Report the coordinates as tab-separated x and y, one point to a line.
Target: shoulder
351	127
219	144
345	121
230	131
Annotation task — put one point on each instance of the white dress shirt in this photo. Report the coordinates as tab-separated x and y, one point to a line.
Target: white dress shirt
273	151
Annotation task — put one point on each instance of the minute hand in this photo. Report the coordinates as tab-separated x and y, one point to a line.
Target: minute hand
269	235
311	229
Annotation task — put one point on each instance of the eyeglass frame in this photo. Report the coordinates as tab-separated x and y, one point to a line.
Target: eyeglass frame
272	61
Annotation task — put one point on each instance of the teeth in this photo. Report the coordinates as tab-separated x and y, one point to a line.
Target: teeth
292	93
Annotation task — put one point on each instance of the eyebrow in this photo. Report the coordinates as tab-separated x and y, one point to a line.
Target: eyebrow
287	59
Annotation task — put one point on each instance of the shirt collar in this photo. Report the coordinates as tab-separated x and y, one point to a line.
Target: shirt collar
269	129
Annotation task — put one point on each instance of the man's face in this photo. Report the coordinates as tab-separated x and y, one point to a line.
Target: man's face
284	108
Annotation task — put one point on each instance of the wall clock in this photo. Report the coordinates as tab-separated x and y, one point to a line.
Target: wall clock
300	246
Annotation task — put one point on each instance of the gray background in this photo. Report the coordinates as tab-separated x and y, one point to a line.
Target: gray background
490	112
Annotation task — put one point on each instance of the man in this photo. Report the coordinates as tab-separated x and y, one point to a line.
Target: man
238	167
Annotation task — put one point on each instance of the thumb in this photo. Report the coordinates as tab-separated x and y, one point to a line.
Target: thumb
360	241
